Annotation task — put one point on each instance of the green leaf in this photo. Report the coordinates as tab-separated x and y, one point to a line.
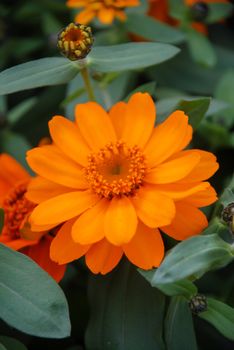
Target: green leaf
151	29
221	316
193	256
31	301
1	219
11	343
182	288
42	72
195	109
225	92
218	12
179	331
200	48
126	312
130	56
16	113
215	135
148	87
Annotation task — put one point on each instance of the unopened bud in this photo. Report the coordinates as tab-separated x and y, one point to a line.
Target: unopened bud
75	41
228	216
199	11
198	304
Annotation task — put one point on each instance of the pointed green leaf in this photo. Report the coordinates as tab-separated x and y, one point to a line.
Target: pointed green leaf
195	109
193	256
31	301
33	74
179	331
182	288
153	30
129	56
221	316
126	313
11	343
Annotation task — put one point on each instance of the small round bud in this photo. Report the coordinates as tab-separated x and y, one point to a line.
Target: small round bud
198	304
75	41
199	11
228	216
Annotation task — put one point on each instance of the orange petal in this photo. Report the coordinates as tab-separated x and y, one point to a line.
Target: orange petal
102	257
169	137
179	191
204	169
40	189
11	170
202	198
68	139
61	208
120	221
19	243
84	17
63	249
94	124
139	119
40	253
188	221
173	170
146	249
153	208
52	164
89	227
106	15
117	116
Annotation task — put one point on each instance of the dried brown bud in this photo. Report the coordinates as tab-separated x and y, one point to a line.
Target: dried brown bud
75	41
198	304
228	216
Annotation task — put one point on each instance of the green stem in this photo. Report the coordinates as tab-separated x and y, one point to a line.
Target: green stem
85	75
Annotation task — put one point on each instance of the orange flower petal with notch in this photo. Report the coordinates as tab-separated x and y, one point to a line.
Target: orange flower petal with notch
120	222
154	209
89	227
52	164
139	119
40	189
173	170
117	115
102	257
189	221
180	191
63	249
62	208
94	125
202	198
40	253
168	138
68	139
146	249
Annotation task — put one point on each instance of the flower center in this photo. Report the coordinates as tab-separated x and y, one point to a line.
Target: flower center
16	208
116	170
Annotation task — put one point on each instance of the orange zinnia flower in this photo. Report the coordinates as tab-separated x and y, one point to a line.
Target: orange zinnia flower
105	10
113	180
16	232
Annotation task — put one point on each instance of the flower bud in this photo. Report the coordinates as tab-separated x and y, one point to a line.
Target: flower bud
198	304
75	41
228	216
199	11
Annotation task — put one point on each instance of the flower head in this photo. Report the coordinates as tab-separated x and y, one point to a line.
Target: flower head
105	10
113	180
16	232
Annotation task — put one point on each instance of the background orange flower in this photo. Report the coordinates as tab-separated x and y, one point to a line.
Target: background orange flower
113	179
16	232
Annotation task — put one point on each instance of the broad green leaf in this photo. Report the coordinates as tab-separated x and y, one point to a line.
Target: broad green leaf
182	288
151	29
148	87
129	56
195	110
42	72
11	343
179	331
126	313
200	48
31	301
1	219
218	12
217	136
193	256
225	91
221	316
